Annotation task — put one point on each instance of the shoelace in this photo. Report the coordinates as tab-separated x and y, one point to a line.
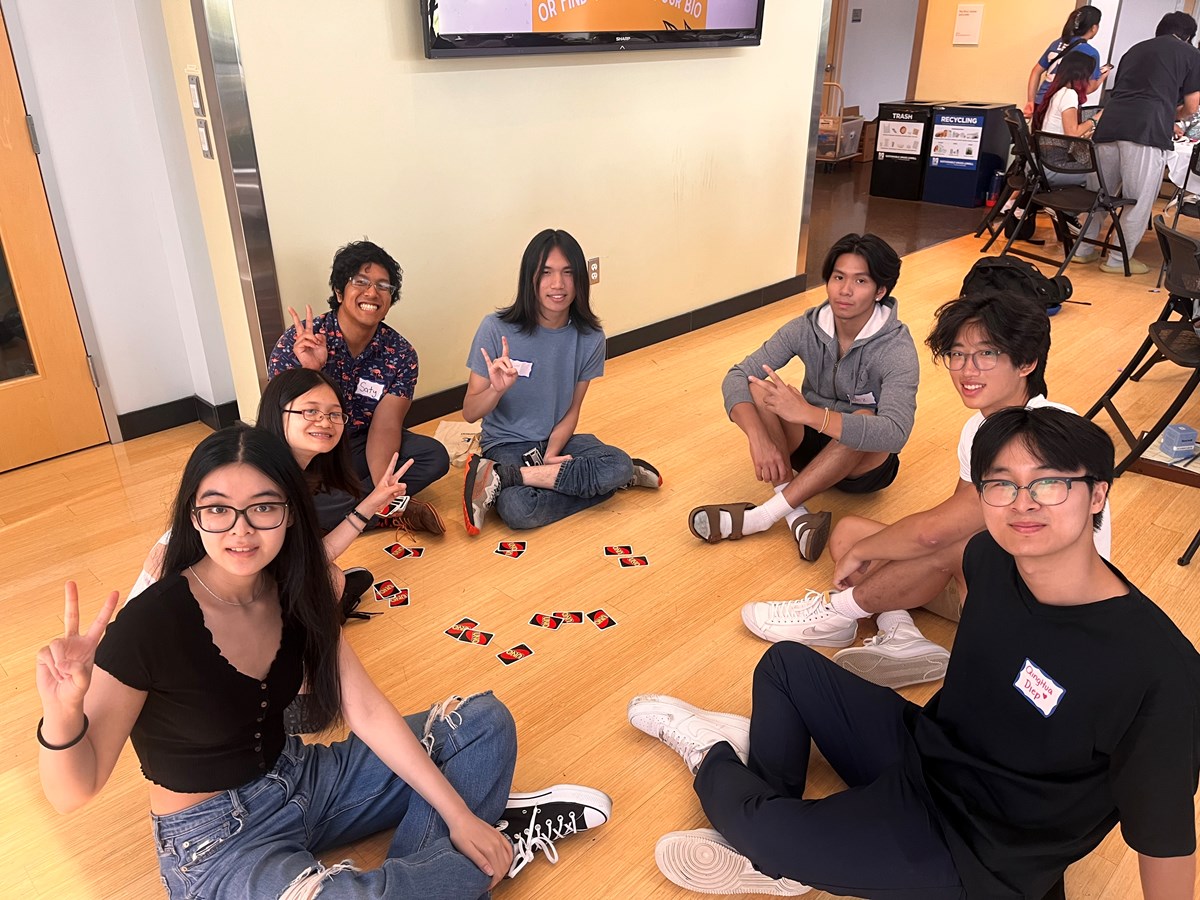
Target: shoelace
527	842
681	744
798	610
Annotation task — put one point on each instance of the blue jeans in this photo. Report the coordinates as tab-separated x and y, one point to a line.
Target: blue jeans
593	474
262	838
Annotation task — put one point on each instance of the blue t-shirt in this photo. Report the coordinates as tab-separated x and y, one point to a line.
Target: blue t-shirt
555	360
1054	55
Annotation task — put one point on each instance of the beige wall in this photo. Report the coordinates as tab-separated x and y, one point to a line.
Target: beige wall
682	170
1015	33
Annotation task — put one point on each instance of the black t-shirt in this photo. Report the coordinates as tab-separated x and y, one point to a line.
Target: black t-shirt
1053	724
205	726
1151	78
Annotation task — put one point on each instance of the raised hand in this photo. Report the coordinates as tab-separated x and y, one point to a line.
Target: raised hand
780	397
309	347
390	486
64	666
501	372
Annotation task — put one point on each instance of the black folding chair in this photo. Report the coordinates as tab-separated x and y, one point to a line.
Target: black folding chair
1075	156
1184	206
1021	180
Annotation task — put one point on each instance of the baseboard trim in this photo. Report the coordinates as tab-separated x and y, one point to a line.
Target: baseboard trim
443	403
153	419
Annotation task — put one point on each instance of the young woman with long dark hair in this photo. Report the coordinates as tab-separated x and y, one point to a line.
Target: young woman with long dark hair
1080	27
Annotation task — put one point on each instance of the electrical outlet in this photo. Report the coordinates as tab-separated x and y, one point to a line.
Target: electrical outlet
594	270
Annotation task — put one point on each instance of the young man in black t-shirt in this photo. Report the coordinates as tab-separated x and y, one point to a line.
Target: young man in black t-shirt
1071	704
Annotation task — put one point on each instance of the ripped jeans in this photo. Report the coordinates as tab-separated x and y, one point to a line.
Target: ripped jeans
261	840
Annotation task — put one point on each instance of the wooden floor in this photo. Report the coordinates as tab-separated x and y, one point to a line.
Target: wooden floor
93	515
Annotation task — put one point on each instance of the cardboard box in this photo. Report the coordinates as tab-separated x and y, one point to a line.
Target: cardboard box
867	148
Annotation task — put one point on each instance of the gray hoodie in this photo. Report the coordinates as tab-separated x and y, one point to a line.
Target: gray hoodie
879	373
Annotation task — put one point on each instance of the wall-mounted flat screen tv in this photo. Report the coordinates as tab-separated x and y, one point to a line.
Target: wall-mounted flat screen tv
498	27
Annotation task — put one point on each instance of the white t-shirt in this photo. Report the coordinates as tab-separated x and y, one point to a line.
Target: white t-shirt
1103	537
1066	98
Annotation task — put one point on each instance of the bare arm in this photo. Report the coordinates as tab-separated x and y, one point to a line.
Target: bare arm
1191	102
1073	127
1035	78
385	433
565	427
373	718
484	393
340	538
1169	878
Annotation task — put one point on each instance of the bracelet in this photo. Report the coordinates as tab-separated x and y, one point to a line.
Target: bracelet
360	517
66	746
824	422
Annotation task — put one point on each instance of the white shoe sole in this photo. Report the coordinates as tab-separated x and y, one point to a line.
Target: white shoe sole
891	671
663	705
590	798
775	638
702	861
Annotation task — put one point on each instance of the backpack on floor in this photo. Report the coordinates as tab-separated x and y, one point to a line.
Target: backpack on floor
1007	273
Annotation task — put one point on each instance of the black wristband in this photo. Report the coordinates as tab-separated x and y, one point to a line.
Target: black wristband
66	746
364	519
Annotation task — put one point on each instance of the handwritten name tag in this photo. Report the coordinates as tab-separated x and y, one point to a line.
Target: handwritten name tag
523	368
867	399
1039	688
372	389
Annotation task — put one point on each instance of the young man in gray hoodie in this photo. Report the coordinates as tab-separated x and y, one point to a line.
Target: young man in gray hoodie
853	413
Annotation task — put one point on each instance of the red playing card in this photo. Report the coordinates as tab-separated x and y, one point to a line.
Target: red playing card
460	626
541	620
384	589
569	618
512	545
601	619
633	562
515	654
394	506
416	552
619	550
471	636
397	551
401	598
511	554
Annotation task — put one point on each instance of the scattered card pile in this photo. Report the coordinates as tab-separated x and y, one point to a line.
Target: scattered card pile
511	549
467	631
555	620
399	551
623	554
388	590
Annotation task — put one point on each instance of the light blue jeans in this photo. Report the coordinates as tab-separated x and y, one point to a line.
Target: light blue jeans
261	839
591	476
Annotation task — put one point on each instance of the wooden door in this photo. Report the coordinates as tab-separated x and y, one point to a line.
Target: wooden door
47	394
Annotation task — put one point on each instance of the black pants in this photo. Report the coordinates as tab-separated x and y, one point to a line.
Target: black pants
878	838
876	479
430	462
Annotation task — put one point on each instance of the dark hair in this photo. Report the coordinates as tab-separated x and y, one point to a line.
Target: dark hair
1057	438
300	569
1012	322
1080	22
1177	24
524	309
1074	71
883	265
329	471
351	258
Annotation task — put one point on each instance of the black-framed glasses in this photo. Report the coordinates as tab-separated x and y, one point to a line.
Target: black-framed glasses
982	360
383	287
1043	491
217	519
337	417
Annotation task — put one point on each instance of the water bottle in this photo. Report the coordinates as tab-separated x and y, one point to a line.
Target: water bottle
993	193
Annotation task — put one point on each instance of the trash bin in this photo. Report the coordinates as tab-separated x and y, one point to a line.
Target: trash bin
901	148
970	142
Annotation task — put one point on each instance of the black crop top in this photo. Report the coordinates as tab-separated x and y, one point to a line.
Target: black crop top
205	726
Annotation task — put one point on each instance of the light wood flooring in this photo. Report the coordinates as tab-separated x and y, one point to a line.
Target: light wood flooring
92	516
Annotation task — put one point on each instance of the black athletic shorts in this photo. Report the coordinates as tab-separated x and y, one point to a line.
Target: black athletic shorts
866	483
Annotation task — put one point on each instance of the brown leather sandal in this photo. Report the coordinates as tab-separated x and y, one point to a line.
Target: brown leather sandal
737	512
816	527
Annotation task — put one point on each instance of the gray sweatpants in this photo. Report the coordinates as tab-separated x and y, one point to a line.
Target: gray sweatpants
1129	170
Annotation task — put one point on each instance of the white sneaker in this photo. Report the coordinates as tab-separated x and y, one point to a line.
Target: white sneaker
703	861
686	729
896	658
810	620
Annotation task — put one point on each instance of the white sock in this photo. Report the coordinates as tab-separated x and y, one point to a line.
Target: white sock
843	604
753	521
797	511
895	618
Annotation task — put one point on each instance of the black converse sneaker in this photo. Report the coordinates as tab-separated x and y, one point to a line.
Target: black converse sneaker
536	820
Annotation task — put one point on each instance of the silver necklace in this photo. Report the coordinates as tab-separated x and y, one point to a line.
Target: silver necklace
257	591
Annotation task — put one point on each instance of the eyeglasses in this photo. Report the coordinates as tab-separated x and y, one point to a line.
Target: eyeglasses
219	519
382	286
982	360
1044	491
337	417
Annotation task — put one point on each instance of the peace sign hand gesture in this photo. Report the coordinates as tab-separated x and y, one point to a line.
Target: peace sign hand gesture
64	667
501	372
390	486
309	347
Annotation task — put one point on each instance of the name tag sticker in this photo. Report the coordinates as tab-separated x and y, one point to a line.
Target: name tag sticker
523	368
867	399
372	389
1039	688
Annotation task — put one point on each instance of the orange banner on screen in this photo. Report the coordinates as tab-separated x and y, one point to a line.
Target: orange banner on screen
617	15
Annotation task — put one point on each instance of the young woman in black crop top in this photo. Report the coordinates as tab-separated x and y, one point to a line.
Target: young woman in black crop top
197	670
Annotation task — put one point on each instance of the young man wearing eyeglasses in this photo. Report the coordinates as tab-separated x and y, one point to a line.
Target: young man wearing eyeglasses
1072	705
376	369
995	346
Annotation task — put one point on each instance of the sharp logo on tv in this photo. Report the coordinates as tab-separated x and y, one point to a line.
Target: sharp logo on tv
493	27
